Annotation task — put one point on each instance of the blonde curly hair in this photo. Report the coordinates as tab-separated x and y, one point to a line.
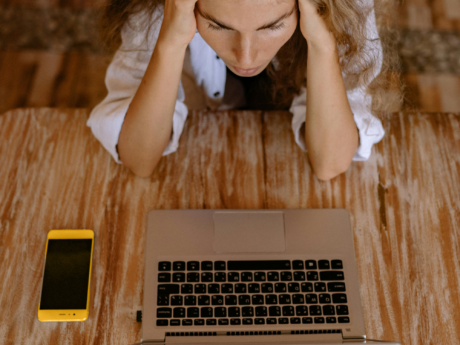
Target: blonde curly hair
346	19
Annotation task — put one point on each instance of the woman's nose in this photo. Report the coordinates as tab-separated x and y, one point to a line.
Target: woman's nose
246	53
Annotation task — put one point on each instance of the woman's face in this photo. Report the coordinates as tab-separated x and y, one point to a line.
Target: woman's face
246	34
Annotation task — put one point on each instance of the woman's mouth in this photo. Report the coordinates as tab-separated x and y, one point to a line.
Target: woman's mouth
243	71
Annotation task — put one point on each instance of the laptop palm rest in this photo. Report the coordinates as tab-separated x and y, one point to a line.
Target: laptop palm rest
249	232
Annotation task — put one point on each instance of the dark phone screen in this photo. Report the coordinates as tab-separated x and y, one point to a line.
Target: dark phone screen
65	280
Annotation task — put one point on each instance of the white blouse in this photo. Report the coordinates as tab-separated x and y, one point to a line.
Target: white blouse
209	73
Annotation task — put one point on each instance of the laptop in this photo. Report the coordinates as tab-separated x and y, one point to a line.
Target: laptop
281	276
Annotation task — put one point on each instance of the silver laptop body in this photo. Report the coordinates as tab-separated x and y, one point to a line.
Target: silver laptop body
284	276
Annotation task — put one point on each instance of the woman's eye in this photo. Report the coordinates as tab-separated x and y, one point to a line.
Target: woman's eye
277	27
217	28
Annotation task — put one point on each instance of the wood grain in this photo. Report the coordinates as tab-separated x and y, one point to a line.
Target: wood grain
404	204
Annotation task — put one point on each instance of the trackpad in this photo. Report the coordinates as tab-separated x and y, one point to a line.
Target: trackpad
249	232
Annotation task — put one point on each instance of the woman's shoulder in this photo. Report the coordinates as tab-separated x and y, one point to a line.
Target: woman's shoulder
142	28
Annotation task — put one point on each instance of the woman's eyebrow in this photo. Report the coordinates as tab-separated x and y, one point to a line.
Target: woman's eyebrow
211	18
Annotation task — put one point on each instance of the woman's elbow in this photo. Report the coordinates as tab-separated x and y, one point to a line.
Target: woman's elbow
328	173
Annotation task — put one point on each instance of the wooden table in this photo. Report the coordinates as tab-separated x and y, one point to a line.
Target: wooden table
404	204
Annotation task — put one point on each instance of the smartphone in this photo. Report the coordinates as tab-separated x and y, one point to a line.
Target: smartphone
66	276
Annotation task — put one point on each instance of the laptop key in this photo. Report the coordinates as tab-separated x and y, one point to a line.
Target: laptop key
315	310
168	289
324	298
297	264
193	312
259	265
301	310
246	276
286	276
259	321
190	300
337	264
230	300
179	312
319	319
186	288
162	322
163	299
257	299
293	287
179	277
271	299
206	266
244	300
206	312
283	320
267	287
220	266
240	288
342	310
339	298
174	322
206	277
336	287
260	277
164	277
274	311
233	277
227	288
299	276
223	322
273	276
332	275
200	288
198	322
234	311
235	322
176	300
288	310
310	265
344	319
193	266
271	321
328	310
164	312
178	266
320	287
254	288
331	319
307	320
306	287
295	320
193	277
312	275
323	264
187	322
204	300
220	312
213	288
311	298
247	321
164	266
261	311
285	299
280	287
247	311
217	300
298	299
211	322
220	277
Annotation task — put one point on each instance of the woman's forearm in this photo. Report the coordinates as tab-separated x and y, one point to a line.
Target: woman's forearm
147	126
331	135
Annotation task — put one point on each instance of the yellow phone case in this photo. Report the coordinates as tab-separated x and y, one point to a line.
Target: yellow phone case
67	315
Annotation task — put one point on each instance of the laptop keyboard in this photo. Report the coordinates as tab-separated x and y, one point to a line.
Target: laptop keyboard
242	292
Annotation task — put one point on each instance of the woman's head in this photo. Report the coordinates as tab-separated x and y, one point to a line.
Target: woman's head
236	30
246	34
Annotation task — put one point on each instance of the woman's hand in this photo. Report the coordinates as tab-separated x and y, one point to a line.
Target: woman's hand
179	23
313	27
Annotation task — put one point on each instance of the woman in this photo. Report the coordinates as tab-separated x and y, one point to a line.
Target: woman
321	56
